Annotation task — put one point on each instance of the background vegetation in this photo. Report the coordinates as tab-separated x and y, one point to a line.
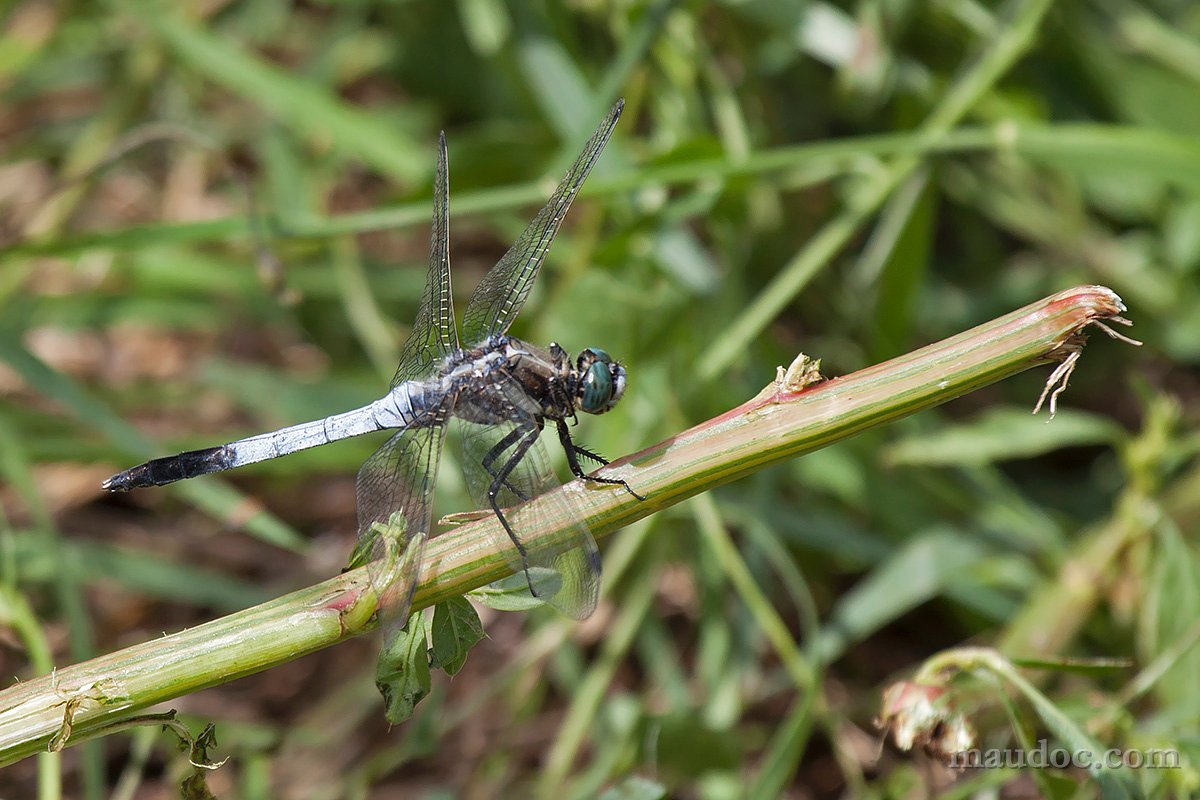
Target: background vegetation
214	223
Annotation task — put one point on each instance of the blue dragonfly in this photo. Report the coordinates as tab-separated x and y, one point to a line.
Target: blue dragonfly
501	390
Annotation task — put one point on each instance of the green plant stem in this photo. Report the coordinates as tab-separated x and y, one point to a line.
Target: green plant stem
1155	39
312	110
1170	157
785	420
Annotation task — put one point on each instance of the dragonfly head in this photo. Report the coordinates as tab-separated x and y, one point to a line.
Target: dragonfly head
601	381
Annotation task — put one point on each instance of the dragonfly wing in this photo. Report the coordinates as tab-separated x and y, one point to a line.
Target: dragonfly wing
395	503
433	333
563	567
499	297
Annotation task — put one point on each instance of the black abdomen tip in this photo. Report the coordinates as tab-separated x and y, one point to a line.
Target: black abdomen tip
161	471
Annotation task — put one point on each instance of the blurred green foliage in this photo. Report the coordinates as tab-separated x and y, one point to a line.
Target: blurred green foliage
214	223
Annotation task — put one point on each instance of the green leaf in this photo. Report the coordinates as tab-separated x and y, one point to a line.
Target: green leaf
683	256
218	499
361	555
688	746
301	105
556	82
402	672
1171	607
512	593
1113	782
923	569
899	252
486	25
1001	434
195	785
635	787
1076	666
456	629
135	570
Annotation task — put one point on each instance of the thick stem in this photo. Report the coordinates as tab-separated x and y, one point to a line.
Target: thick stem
792	416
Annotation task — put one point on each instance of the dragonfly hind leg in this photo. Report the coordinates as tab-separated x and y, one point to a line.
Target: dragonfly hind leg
500	479
574	451
490	458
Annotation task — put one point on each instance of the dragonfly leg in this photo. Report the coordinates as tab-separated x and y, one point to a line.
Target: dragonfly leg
573	452
500	478
490	458
588	454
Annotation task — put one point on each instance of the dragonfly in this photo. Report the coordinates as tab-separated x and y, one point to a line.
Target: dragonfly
501	390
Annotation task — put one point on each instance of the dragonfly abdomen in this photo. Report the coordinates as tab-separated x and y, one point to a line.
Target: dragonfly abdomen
400	407
161	471
414	404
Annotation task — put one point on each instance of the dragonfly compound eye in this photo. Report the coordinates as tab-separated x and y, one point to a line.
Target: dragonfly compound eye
603	381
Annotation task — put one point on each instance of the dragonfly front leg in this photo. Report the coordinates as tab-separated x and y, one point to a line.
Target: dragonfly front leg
583	451
574	451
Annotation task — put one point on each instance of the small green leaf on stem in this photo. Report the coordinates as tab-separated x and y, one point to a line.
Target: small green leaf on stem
456	629
512	593
402	673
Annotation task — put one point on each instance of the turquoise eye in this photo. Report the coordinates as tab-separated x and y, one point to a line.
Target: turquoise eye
597	386
600	355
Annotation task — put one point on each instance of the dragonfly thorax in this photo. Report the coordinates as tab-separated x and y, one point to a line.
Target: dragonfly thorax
560	386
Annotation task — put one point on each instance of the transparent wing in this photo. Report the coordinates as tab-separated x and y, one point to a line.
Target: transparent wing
562	569
433	333
499	297
395	502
